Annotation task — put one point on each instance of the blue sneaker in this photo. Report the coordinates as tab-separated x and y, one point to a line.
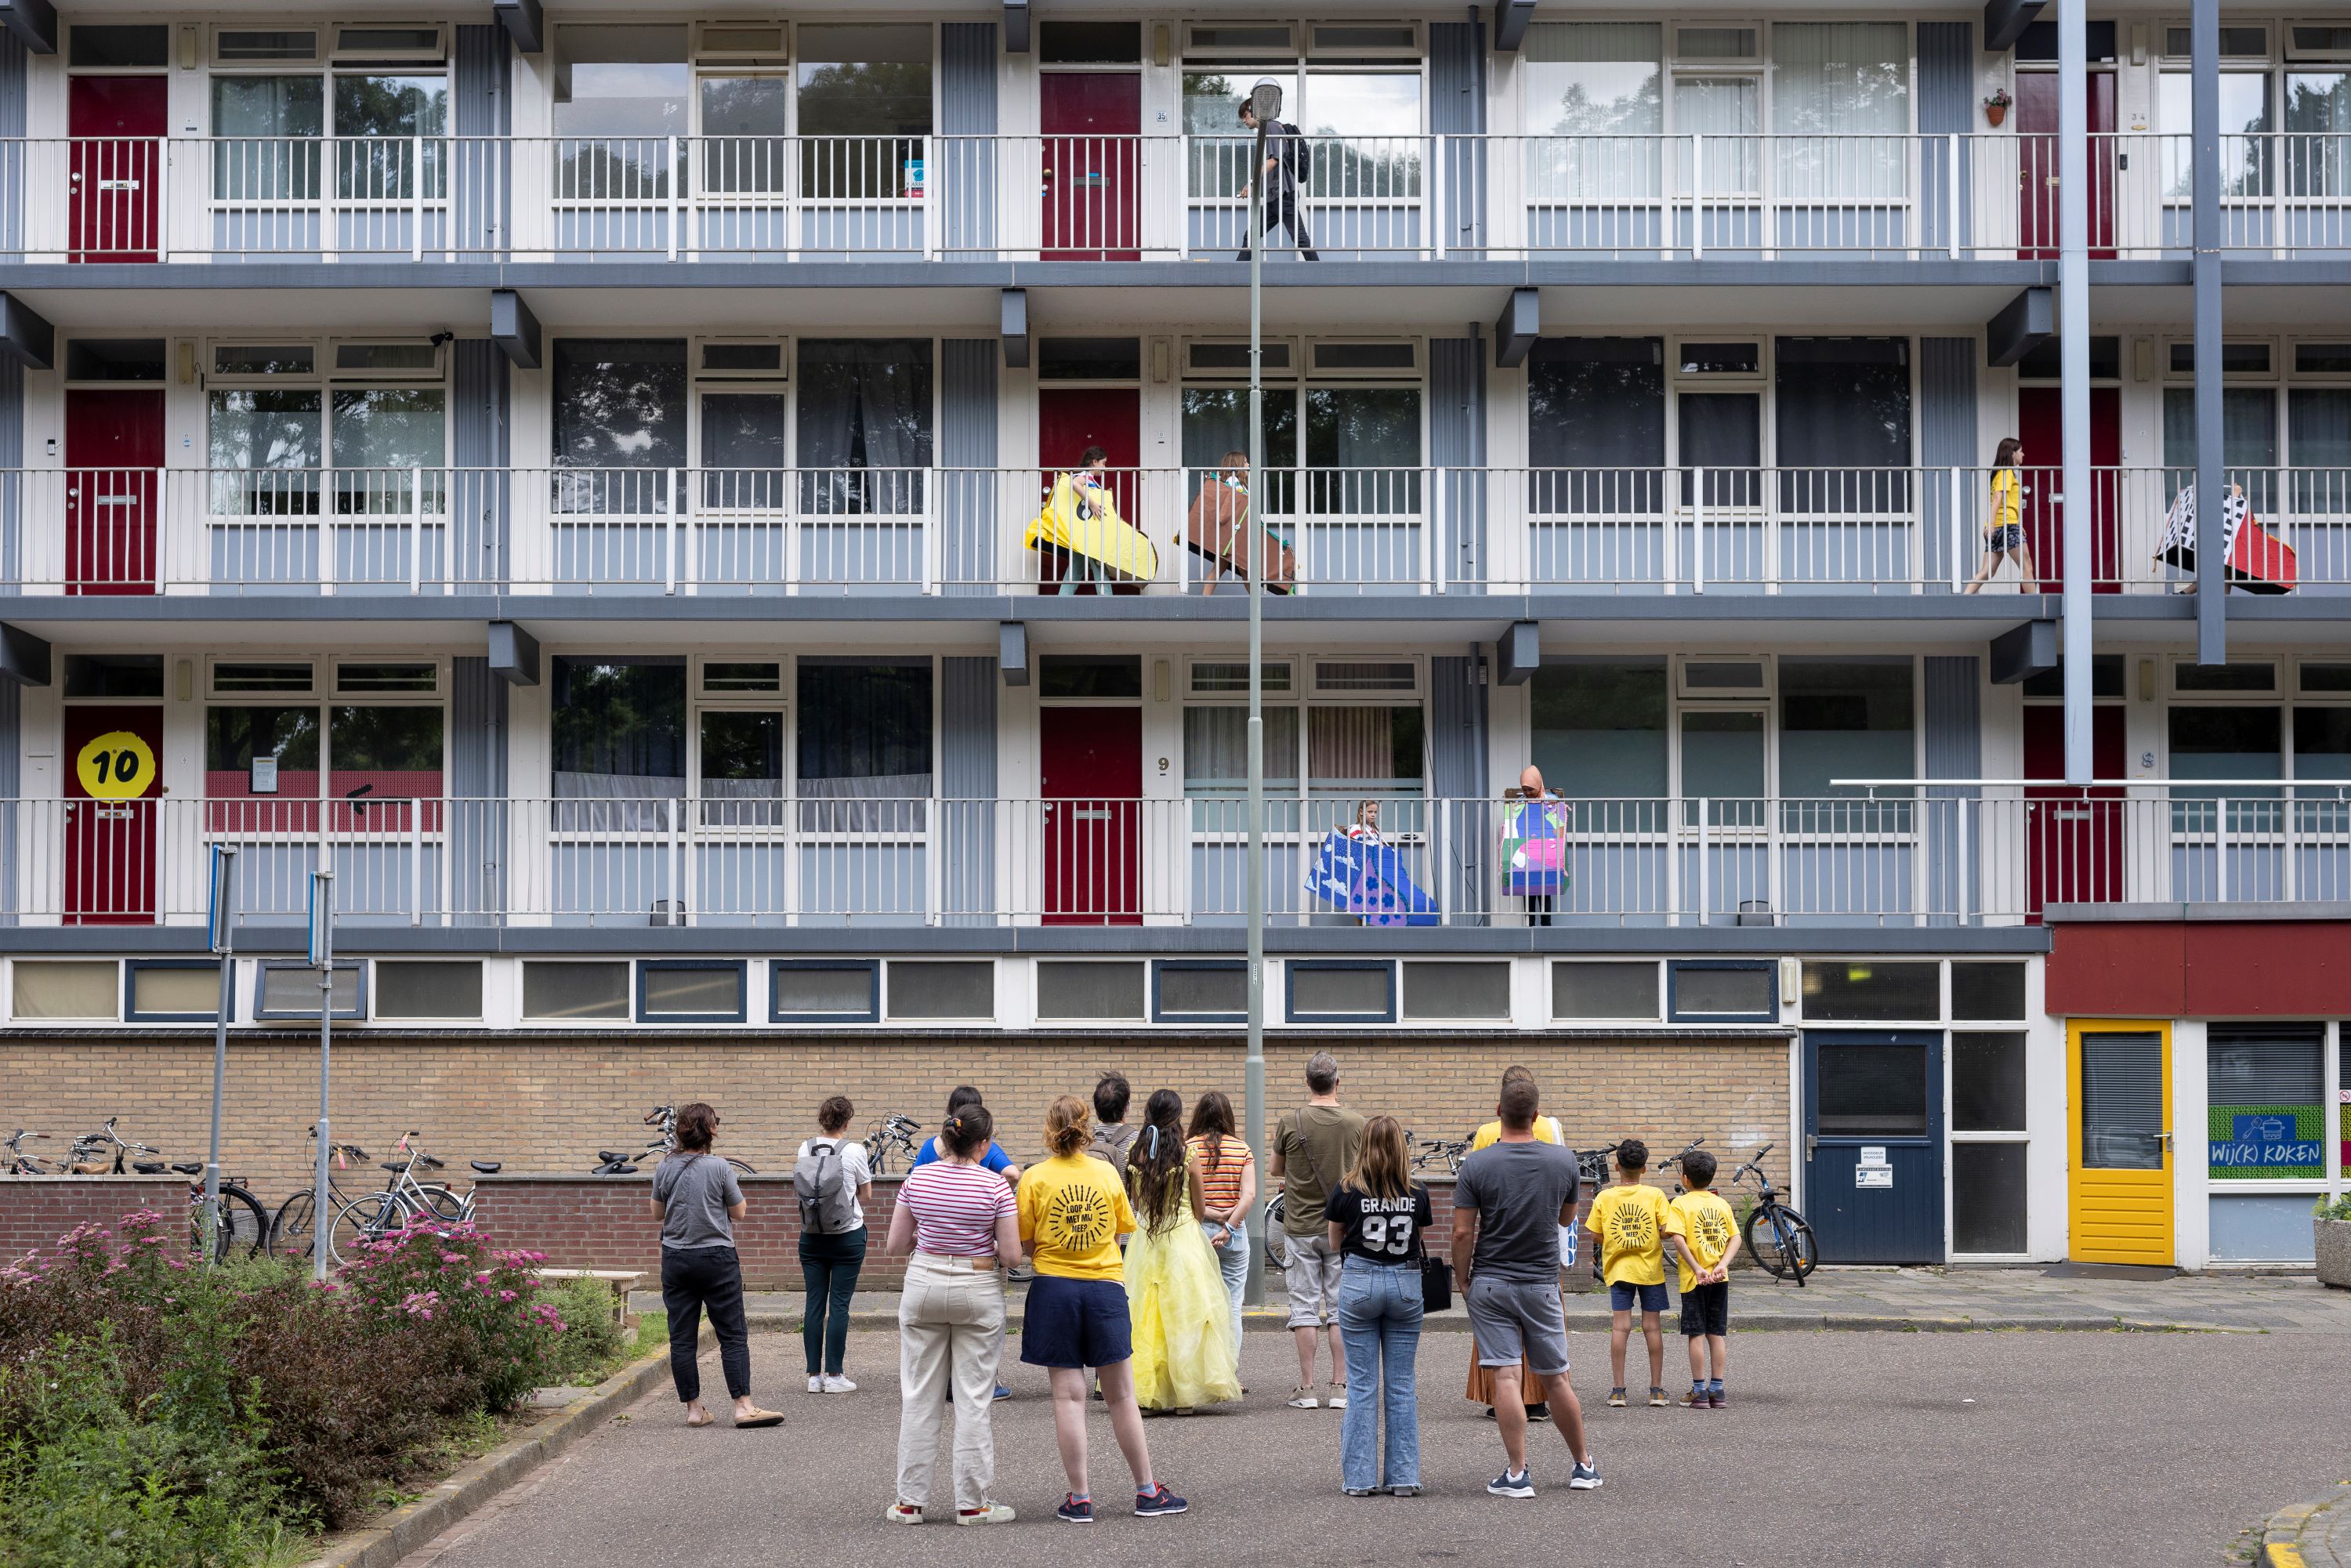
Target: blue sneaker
1585	1477
1075	1509
1158	1500
1002	1392
1507	1485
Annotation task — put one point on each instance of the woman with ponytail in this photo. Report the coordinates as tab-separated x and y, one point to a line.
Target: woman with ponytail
1183	1354
1072	1212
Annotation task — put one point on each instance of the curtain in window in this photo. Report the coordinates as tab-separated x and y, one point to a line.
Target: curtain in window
2248	441
1215	749
1842	423
864	424
265	133
1727	112
1842	91
1596	425
2318	437
864	736
1591	105
618	729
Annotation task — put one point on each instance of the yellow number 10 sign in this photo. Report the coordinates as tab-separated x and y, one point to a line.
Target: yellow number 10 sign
116	766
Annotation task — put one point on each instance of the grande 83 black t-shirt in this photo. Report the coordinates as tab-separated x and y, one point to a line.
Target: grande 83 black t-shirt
1384	1230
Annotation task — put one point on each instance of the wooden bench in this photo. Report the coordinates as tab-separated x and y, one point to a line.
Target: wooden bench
619	1281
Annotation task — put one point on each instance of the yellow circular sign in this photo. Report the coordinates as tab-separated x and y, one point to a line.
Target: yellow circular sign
116	766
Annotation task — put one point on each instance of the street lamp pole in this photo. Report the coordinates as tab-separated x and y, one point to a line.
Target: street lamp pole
1265	104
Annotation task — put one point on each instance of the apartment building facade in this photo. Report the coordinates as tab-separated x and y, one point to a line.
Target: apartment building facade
589	481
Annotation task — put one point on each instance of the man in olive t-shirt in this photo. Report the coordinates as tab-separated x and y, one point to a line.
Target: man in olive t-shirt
1313	1148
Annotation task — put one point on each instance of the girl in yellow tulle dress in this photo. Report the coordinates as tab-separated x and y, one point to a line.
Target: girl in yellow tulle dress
1183	1326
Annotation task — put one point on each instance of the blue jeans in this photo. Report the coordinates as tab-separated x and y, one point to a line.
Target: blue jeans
829	1269
1232	1262
1379	1321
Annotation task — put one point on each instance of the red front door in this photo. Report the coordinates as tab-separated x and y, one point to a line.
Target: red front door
112	781
117	124
2073	838
2036	152
1068	420
1092	122
2041	425
114	445
1092	762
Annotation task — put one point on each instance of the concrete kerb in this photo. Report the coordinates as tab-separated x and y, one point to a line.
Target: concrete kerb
2312	1534
396	1534
770	1320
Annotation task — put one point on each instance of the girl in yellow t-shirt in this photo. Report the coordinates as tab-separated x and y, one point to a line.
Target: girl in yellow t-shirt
2003	530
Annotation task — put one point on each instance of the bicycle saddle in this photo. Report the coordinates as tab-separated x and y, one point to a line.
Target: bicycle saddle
190	1168
391	1164
487	1167
148	1167
610	1156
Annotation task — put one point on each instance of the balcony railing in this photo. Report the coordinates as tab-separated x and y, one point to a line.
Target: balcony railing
1404	530
748	854
1084	198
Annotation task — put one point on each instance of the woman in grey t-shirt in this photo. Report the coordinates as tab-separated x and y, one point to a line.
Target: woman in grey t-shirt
698	1201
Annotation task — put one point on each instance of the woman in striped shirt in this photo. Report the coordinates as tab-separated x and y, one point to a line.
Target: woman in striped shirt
962	1223
1227	1173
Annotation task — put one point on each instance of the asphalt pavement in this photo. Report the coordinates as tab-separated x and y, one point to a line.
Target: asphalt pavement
1899	1448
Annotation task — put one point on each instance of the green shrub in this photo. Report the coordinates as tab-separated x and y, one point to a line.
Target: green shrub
478	1307
2339	1209
592	1344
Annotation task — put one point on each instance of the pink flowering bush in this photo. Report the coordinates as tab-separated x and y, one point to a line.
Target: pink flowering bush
479	1305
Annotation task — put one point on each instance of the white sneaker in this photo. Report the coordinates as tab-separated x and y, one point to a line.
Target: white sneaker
1303	1400
1337	1400
838	1385
989	1512
902	1513
816	1384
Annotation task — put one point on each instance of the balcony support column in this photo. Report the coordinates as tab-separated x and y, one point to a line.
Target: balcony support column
2074	337
2211	480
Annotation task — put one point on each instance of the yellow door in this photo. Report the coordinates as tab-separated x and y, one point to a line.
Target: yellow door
2118	1140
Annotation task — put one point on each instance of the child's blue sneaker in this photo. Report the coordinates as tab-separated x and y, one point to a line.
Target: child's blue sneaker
1075	1509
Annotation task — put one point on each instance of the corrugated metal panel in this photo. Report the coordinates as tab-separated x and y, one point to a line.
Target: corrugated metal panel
965	177
967	694
1456	110
477	773
482	104
11	725
1947	440
1954	750
1946	106
12	455
967	369
1456	446
1457	773
12	158
479	448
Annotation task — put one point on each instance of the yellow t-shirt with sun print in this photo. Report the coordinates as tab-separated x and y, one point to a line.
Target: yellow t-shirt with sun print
1707	1226
1631	1223
1075	1208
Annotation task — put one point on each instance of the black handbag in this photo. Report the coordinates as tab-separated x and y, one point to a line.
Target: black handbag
1435	1284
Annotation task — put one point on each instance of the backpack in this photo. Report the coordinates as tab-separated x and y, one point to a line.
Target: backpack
827	1204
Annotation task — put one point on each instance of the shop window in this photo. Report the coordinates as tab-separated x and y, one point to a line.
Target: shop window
962	989
1871	991
1991	993
1604	990
566	992
690	991
428	988
1988	1197
1339	992
820	990
1441	991
291	991
171	990
1199	990
1081	992
72	989
1725	991
1988	1082
2264	1087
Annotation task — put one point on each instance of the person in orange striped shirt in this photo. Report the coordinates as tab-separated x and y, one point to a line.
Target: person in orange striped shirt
1228	1176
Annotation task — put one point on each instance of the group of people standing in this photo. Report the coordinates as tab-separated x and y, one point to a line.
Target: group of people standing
1138	1236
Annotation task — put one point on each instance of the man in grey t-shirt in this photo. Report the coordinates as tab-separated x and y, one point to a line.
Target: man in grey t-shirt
1509	1202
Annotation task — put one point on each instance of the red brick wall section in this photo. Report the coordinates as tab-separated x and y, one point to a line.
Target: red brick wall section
36	1210
603	1223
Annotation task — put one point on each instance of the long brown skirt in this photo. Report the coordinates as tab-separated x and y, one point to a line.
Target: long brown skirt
1482	1383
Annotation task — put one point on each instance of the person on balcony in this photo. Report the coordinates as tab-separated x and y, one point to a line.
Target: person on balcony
1081	536
1534	844
1218	530
1285	155
2003	530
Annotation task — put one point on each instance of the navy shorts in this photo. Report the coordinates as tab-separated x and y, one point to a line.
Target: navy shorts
1620	1298
1075	1322
1706	1309
2009	536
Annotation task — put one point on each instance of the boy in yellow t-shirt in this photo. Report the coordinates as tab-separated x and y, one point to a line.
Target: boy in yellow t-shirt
1629	1223
1710	1240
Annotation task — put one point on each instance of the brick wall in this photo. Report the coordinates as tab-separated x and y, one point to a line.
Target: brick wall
35	1211
546	1104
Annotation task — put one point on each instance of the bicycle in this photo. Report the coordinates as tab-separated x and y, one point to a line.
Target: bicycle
613	1162
239	1225
19	1162
1673	1166
1451	1150
894	1134
401	1197
1777	1237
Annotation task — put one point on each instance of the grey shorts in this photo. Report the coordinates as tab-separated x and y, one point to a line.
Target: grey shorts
1515	1318
1312	1274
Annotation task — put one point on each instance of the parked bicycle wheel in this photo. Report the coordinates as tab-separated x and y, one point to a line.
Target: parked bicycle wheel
1780	1243
447	1203
1277	1238
742	1167
363	1219
290	1228
240	1225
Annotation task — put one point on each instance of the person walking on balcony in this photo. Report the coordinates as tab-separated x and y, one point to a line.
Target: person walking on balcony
697	1200
1183	1355
1312	1148
1227	1173
1285	157
839	1182
2003	530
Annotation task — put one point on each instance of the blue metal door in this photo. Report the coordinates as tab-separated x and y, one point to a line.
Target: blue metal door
1873	1144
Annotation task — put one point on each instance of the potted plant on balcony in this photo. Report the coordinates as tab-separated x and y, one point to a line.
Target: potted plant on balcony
1996	106
2332	1222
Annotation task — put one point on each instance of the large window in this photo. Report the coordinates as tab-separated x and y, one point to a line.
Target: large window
1360	121
619	729
1842	424
865	729
2245	159
1361	441
621	91
1594	87
865	106
865	424
1599	731
620	422
1844	718
361	748
273	422
1596	424
1841	102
